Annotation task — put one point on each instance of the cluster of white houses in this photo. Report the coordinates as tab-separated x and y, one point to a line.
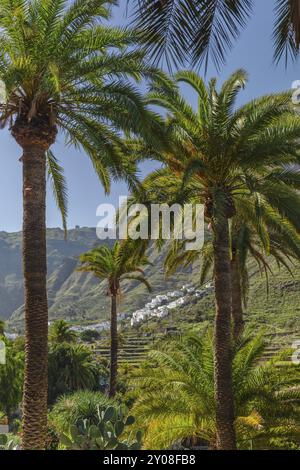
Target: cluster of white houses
161	305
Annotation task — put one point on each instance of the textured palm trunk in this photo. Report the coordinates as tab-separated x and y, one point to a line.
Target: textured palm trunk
113	347
237	303
35	138
36	310
226	439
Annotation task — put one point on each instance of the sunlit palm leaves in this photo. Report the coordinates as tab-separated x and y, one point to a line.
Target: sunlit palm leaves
124	261
176	399
218	153
191	30
59	186
62	65
60	332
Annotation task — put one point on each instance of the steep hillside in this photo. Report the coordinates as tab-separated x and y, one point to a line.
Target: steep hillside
72	295
80	298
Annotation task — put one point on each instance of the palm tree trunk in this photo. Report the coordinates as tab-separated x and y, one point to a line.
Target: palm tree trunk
35	136
113	347
237	304
226	439
34	406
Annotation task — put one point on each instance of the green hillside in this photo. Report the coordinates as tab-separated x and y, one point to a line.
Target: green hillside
72	295
80	298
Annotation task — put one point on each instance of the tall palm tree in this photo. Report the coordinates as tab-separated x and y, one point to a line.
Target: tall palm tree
256	233
60	332
122	262
63	71
175	395
192	30
261	241
218	151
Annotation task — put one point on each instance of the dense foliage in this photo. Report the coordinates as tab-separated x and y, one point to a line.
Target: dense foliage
175	399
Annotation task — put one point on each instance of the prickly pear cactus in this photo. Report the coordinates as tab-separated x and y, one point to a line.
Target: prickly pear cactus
113	422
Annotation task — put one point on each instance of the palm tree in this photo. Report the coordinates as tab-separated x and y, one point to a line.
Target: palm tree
124	261
220	153
71	368
175	395
60	332
253	235
192	30
271	236
63	71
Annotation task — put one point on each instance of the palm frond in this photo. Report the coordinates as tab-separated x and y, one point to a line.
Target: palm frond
59	187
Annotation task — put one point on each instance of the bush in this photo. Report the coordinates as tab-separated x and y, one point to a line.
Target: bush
71	367
89	336
9	442
71	409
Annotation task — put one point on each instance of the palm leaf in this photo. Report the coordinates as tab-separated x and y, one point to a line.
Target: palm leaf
59	187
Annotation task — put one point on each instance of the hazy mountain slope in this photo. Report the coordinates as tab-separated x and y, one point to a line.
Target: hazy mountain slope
62	260
79	296
73	295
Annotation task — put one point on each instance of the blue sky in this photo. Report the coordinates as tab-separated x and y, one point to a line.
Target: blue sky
253	52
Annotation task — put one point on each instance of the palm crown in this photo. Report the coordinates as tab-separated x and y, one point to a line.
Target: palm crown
123	261
225	153
63	68
60	332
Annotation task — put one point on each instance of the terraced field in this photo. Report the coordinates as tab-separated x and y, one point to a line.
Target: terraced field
280	341
135	344
133	348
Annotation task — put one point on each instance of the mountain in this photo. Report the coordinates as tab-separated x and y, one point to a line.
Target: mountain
80	297
72	295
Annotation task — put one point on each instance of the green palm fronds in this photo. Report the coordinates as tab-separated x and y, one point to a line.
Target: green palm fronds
175	398
123	261
60	64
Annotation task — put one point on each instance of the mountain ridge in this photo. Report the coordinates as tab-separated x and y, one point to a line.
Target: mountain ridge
72	295
80	298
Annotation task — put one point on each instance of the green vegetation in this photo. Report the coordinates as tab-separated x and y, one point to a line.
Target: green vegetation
71	367
106	434
11	381
223	157
64	71
70	410
122	262
174	381
60	332
175	396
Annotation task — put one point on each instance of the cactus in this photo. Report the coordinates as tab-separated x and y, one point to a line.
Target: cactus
106	435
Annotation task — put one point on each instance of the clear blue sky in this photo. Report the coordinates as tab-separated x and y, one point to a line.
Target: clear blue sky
252	52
